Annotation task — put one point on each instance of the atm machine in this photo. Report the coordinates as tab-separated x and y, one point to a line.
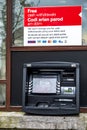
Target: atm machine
51	88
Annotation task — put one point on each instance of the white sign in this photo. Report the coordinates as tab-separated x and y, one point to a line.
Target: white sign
52	26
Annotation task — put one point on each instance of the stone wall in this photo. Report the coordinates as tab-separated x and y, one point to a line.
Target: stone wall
18	120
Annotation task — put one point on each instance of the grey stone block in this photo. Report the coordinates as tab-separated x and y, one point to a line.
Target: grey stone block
18	120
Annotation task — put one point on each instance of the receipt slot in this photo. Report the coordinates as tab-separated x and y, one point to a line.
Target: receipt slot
51	88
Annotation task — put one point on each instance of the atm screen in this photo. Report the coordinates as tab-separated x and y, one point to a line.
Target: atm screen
44	84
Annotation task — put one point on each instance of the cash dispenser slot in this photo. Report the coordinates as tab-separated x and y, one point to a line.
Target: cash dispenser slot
68	77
